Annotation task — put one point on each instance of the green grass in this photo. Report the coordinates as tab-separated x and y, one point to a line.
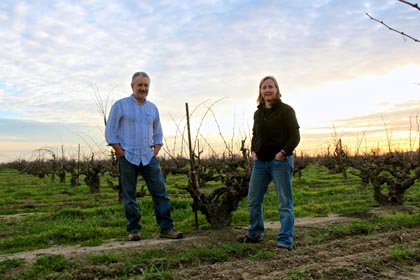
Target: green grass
404	254
9	264
41	213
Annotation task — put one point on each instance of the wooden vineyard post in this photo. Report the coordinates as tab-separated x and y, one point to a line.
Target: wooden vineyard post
192	179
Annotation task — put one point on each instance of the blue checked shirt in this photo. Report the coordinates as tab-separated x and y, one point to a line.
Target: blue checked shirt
136	127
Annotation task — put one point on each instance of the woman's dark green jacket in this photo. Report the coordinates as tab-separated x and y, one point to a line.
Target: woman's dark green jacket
274	129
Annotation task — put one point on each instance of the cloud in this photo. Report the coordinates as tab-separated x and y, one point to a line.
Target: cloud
58	57
22	138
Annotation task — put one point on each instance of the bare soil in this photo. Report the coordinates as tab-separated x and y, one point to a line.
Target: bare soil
360	257
364	257
71	251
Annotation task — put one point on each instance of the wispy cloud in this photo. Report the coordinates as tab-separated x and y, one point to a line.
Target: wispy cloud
55	54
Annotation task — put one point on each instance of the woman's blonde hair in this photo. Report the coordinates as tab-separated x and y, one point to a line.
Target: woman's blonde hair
260	99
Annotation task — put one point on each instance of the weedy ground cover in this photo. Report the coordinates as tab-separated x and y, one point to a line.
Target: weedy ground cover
43	213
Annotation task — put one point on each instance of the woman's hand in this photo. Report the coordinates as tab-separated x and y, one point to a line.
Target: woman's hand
254	155
281	155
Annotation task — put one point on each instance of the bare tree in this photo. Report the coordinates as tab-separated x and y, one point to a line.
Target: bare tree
416	6
216	184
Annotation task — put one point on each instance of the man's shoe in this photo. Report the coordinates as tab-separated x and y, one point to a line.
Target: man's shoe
246	239
172	234
134	236
282	248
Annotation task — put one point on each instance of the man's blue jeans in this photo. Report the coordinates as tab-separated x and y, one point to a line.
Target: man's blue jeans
152	175
281	173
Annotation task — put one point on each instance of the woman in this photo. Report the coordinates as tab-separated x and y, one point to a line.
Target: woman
275	135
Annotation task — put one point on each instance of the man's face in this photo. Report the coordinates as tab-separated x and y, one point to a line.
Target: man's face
140	88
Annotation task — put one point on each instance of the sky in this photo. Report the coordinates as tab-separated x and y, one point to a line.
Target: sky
64	63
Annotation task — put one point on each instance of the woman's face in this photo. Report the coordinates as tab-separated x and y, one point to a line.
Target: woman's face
268	91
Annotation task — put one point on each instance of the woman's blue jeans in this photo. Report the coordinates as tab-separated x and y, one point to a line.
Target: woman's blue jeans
281	173
152	175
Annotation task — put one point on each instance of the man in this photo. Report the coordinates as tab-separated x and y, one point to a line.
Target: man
134	131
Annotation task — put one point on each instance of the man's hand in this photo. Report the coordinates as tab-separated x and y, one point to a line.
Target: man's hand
156	149
118	150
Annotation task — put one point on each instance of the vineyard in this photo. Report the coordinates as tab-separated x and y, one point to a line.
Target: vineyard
356	218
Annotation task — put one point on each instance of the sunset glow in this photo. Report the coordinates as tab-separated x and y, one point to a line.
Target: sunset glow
346	76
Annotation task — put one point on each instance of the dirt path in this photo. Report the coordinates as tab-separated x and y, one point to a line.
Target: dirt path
69	251
324	260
